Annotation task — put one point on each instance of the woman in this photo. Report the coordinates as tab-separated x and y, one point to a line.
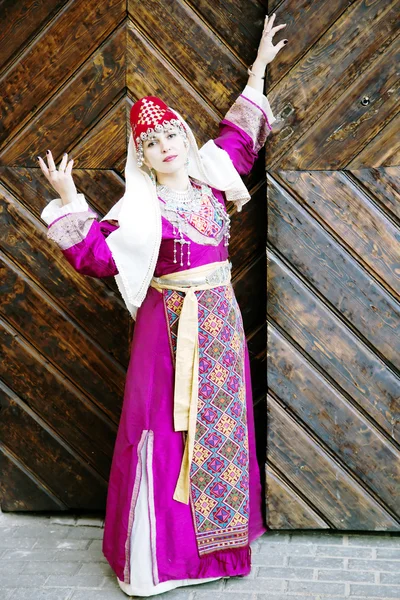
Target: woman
184	498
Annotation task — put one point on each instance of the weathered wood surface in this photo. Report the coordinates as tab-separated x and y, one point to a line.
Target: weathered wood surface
351	217
342	501
85	299
346	42
383	185
21	490
286	510
333	368
209	65
19	23
44	453
325	338
333	343
329	267
53	57
70	73
348	433
85	98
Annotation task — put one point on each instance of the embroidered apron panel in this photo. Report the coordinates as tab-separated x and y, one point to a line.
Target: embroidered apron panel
219	477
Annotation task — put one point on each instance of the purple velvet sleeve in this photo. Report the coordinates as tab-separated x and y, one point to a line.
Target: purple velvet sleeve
238	144
82	240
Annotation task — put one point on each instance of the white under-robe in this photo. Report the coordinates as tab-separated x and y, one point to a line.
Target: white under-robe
141	565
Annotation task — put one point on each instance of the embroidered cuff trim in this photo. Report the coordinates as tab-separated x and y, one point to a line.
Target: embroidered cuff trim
249	117
55	209
71	229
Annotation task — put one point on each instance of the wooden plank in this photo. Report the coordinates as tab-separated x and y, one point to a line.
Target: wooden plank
333	346
102	187
347	126
352	219
314	23
20	489
59	340
257	346
20	21
53	58
334	420
248	231
326	70
88	95
204	61
249	286
342	501
225	17
87	300
57	402
334	273
44	453
382	150
383	185
285	508
149	73
106	143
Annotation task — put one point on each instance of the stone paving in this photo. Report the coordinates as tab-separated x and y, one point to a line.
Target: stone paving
56	557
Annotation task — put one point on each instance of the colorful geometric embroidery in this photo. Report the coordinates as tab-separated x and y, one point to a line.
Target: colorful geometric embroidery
219	471
206	220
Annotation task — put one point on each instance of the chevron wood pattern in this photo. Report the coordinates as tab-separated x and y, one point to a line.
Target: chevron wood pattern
69	73
333	270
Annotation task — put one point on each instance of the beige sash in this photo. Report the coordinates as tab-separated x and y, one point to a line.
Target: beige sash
187	354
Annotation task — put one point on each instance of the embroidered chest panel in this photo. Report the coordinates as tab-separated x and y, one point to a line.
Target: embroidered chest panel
207	224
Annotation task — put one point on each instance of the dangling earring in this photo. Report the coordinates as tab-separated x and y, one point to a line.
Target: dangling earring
153	177
186	143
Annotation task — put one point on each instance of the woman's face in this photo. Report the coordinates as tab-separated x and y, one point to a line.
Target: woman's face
165	152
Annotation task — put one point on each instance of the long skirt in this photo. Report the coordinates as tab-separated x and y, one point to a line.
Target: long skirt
152	542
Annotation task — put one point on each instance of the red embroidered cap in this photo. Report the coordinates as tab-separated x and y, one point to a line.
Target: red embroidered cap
147	113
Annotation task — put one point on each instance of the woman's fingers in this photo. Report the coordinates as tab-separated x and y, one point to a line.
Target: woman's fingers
63	163
50	162
68	170
268	26
44	167
269	21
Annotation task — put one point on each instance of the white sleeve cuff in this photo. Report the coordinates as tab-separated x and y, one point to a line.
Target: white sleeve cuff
261	100
54	209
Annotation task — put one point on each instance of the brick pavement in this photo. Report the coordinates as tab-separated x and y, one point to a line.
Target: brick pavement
55	557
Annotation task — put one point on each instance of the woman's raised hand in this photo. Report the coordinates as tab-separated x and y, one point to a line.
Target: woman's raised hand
61	178
266	50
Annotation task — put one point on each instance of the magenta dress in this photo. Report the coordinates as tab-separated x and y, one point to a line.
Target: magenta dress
145	529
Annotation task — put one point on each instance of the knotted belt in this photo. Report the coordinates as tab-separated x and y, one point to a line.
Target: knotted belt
187	354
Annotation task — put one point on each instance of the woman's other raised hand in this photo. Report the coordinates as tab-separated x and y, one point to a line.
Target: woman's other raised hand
61	178
266	50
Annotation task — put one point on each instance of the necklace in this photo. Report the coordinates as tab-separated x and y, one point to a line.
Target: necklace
179	207
189	199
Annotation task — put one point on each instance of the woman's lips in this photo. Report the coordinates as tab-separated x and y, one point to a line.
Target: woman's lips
169	158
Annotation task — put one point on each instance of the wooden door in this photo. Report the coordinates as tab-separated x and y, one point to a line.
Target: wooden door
69	73
334	277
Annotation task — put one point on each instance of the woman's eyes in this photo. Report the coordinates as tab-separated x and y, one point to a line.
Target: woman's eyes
150	144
